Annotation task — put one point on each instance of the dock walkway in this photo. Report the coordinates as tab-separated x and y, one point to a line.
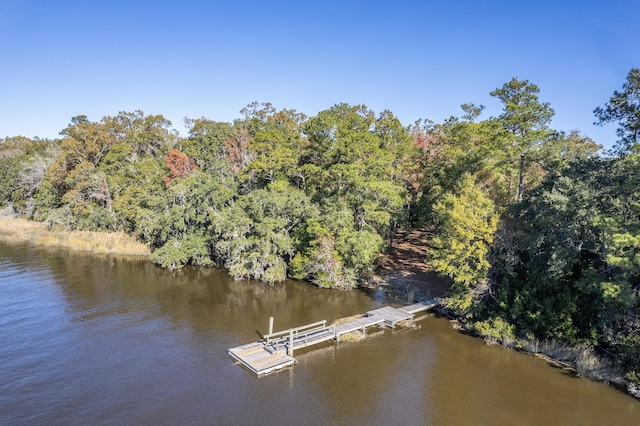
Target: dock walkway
275	350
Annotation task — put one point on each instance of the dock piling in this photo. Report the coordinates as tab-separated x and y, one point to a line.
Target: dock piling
291	342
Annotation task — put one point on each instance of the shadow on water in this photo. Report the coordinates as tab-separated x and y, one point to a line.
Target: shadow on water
207	298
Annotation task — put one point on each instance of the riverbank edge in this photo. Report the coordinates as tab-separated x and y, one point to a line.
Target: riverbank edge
583	362
397	289
18	230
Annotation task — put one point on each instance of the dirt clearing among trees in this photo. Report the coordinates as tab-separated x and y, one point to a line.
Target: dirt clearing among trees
405	271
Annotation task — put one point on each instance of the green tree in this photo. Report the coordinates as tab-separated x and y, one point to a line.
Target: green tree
319	260
467	222
275	140
570	271
181	223
206	144
11	154
526	120
333	253
575	147
624	108
355	158
255	235
98	162
24	165
460	147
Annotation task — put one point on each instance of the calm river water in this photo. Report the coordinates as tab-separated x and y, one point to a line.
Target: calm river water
105	340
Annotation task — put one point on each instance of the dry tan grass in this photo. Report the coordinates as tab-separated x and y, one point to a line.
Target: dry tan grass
21	230
354	336
345	320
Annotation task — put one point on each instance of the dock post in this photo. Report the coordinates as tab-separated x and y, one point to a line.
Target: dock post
291	342
270	327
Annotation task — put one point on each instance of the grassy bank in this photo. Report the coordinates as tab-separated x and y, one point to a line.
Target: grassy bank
21	230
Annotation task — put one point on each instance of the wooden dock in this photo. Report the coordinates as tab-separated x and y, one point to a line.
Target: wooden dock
275	350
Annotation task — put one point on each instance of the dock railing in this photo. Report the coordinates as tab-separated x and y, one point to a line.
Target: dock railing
296	331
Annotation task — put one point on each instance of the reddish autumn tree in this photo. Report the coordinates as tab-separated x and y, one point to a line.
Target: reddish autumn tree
179	164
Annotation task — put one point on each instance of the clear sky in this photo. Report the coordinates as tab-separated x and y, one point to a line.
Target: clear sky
419	59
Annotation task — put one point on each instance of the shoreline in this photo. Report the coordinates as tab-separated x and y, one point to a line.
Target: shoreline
584	363
402	286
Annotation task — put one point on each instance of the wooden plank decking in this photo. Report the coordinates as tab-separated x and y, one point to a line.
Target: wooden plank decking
358	324
274	352
259	360
391	316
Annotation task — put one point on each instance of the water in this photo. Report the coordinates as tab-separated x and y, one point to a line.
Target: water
107	340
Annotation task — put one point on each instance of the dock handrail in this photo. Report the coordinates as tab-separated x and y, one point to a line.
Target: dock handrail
303	328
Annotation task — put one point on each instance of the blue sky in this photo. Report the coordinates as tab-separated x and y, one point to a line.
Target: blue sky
419	59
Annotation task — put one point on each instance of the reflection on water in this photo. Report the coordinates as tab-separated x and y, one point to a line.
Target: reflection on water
107	340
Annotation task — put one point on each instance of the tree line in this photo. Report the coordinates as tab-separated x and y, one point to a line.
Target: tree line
538	230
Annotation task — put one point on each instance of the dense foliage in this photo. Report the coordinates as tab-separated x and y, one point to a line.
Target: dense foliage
563	261
539	233
271	195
